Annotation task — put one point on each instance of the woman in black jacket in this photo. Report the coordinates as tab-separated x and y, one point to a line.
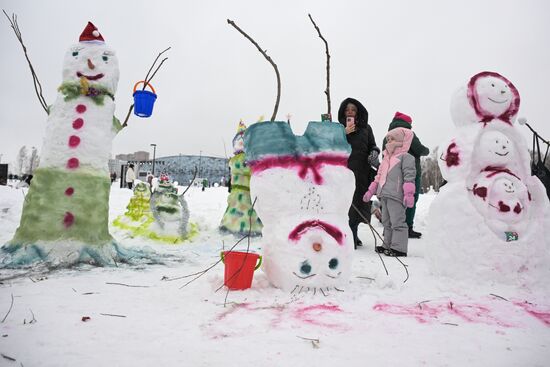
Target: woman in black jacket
363	157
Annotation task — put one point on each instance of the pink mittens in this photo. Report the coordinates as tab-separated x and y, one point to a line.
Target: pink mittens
371	191
408	194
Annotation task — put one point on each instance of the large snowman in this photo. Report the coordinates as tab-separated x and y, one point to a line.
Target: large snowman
303	190
65	214
491	221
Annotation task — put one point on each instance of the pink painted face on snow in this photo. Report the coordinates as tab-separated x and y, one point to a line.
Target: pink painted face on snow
493	97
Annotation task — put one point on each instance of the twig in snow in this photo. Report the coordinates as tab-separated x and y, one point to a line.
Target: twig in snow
11	305
128	285
360	277
497	296
420	303
111	314
449	323
33	318
314	342
7	357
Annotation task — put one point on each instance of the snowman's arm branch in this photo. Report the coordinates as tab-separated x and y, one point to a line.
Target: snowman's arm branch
125	123
147	79
37	85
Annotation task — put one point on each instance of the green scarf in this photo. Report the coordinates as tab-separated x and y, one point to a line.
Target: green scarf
97	93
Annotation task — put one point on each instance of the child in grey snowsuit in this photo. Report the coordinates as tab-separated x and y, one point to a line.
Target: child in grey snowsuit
394	186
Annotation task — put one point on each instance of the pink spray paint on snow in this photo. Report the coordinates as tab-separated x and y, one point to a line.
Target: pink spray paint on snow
426	313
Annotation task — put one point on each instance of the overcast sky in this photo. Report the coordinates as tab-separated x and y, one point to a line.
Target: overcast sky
391	55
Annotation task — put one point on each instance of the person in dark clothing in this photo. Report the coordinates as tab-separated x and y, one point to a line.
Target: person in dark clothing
417	150
364	155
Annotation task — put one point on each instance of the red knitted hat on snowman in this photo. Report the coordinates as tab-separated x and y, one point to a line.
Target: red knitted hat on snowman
402	116
91	33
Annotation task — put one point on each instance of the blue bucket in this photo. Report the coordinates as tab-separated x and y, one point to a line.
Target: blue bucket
144	101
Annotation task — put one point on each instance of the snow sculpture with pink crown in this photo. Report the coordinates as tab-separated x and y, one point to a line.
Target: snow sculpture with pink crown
492	220
303	190
65	214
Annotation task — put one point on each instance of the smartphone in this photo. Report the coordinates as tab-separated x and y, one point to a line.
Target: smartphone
350	121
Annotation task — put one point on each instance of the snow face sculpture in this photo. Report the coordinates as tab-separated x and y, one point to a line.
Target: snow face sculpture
65	215
239	217
491	221
304	190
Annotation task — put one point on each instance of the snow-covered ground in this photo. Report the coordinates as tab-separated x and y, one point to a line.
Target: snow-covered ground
135	317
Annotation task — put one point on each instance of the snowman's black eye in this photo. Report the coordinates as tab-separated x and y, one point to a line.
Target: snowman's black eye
305	268
75	53
333	263
105	58
492	85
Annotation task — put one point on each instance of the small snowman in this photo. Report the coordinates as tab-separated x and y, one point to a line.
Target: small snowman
65	214
169	210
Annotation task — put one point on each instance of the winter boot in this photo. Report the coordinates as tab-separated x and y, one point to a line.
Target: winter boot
414	234
394	253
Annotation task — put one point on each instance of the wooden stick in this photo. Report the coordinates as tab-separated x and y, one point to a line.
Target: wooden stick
270	61
11	305
111	314
36	82
127	285
327	90
151	68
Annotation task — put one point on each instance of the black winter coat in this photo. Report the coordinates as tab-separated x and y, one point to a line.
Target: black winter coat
362	144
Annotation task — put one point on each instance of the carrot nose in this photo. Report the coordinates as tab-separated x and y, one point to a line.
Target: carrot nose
91	65
317	246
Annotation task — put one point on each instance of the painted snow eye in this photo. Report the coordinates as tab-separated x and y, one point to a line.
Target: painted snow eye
305	268
75	53
333	263
493	85
105	58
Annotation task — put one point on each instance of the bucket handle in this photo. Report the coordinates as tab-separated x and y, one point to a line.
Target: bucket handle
143	81
257	266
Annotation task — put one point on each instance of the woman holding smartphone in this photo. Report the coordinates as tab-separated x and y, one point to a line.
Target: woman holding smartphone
364	156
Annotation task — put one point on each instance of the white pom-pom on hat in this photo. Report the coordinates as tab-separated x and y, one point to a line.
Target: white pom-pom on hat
95	33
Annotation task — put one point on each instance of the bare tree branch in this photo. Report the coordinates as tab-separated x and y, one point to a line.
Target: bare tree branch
36	82
270	61
327	90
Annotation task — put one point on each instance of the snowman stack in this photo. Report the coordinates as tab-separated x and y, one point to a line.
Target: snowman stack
491	221
65	214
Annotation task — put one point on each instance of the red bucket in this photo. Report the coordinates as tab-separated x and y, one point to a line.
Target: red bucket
239	268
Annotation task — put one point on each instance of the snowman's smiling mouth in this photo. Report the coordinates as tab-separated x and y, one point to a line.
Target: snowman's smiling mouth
510	192
89	77
304	277
493	100
502	154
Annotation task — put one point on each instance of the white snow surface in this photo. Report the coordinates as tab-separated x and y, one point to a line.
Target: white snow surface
377	321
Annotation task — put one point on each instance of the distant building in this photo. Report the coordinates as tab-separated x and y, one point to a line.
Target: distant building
181	168
136	156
